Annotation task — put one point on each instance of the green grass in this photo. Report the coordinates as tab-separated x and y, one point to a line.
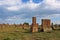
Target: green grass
24	34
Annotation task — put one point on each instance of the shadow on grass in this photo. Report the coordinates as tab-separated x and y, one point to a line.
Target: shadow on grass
7	39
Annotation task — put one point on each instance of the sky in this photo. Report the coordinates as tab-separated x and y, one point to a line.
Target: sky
20	11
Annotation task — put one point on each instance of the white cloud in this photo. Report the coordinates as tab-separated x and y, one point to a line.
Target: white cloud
17	4
38	9
14	8
51	16
16	19
10	2
52	4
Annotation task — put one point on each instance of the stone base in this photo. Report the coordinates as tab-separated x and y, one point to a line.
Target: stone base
34	29
47	29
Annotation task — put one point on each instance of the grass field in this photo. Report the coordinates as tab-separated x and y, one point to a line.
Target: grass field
24	34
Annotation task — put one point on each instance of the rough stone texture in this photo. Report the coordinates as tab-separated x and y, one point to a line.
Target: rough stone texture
33	20
34	26
46	25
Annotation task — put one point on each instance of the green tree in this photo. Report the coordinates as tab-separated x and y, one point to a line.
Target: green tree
26	23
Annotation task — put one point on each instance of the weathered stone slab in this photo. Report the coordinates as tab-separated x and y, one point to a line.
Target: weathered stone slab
46	25
34	26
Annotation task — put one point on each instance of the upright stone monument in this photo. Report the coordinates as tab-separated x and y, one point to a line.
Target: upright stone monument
46	25
34	26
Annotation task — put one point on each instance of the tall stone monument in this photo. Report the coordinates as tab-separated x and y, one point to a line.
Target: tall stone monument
34	26
46	25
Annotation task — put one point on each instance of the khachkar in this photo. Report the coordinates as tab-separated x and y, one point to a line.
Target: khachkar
46	26
34	26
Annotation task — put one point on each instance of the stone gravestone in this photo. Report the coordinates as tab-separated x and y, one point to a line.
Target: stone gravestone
46	25
34	26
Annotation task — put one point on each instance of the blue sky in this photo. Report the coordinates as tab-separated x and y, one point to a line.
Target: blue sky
20	11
